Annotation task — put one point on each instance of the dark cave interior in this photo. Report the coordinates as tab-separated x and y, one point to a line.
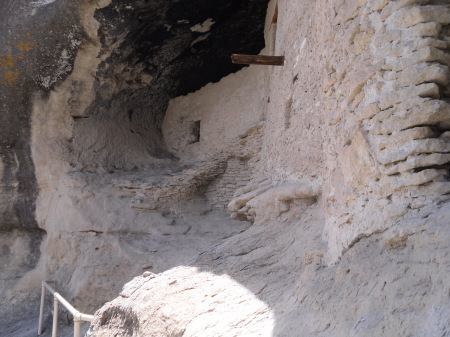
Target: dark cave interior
159	50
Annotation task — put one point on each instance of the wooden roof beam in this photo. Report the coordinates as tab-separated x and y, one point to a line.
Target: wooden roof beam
258	59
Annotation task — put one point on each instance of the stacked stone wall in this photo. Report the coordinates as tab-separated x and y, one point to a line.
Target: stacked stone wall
221	191
387	90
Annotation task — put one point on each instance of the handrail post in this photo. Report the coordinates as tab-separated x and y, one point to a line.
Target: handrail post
41	310
76	327
55	317
78	317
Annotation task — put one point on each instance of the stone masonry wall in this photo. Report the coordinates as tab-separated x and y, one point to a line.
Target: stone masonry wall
388	116
361	108
221	190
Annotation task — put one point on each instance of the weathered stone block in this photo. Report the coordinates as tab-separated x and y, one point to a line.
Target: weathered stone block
237	203
427	54
384	37
389	184
358	165
399	138
377	5
421	112
402	106
395	6
422	90
408	46
356	80
431	29
420	14
414	147
367	112
421	73
419	161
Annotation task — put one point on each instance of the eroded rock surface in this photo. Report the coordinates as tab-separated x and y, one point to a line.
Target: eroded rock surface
272	281
88	187
305	200
349	192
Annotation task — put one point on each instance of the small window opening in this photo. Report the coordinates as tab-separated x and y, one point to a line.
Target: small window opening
195	132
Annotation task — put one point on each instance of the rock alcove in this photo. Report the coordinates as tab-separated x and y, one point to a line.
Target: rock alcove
84	90
305	200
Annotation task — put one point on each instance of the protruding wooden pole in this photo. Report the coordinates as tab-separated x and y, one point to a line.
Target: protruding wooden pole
258	59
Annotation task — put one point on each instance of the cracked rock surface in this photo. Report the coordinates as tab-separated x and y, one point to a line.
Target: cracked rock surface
305	200
88	187
349	192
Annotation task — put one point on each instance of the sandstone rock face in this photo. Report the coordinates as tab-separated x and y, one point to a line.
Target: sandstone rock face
305	200
272	281
348	195
89	190
29	63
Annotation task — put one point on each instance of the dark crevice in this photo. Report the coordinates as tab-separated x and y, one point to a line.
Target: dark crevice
435	127
195	132
432	167
130	115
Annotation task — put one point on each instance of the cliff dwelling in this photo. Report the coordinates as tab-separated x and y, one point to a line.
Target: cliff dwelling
164	190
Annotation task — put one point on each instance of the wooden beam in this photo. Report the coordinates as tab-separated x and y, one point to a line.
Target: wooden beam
258	59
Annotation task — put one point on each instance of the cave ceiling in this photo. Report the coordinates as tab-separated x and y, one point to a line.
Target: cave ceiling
159	50
182	44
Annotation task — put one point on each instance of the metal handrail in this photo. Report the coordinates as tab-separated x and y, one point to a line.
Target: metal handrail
77	316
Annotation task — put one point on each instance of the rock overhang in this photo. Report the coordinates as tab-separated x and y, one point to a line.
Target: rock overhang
183	44
158	49
153	51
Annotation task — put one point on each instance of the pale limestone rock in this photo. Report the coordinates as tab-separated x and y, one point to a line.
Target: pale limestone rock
414	147
426	54
421	90
407	47
264	200
446	135
386	37
394	6
389	184
358	163
237	203
418	161
377	5
356	80
196	294
421	112
422	73
366	112
431	29
376	268
336	158
419	14
399	138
